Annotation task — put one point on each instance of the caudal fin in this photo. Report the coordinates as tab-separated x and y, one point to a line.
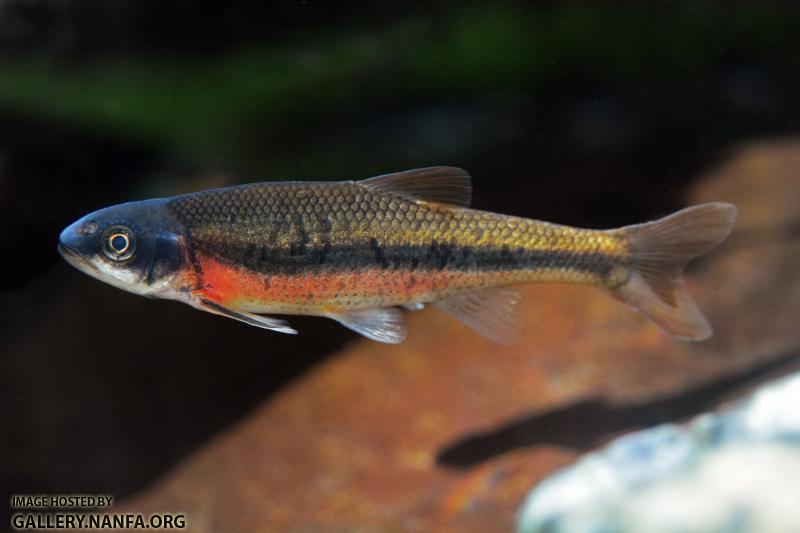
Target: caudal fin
660	251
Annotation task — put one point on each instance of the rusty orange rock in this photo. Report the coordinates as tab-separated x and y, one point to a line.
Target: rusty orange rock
448	431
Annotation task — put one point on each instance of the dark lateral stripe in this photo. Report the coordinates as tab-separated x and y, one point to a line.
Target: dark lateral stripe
432	257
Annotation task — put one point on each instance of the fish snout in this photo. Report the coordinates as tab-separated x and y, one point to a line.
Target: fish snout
68	237
77	238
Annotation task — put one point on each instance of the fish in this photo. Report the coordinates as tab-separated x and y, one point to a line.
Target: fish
365	252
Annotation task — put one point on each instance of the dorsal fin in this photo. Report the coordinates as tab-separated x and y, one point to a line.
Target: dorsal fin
444	185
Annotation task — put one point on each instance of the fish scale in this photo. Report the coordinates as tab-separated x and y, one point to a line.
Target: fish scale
340	227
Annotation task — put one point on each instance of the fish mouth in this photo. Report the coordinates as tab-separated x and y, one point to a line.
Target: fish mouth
74	258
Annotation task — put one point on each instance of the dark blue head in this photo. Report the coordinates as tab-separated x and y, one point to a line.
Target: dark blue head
134	246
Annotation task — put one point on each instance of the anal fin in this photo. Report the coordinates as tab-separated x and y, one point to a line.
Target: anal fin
490	312
382	324
259	321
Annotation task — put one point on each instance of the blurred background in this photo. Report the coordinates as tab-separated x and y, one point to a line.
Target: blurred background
586	113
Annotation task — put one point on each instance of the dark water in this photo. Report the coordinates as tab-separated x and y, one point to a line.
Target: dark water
584	113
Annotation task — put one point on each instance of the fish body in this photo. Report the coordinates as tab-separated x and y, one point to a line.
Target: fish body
357	251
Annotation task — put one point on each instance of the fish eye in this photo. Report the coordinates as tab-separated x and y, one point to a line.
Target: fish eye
118	243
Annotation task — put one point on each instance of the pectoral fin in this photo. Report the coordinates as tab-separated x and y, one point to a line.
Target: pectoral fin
490	312
259	321
382	324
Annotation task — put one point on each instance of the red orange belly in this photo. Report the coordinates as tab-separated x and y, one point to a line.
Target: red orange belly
321	293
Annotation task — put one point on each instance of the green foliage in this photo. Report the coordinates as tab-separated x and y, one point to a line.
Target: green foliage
209	105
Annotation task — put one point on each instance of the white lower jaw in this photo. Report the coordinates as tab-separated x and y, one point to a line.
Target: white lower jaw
115	276
119	278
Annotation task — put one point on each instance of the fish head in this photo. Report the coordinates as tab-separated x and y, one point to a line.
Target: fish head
135	247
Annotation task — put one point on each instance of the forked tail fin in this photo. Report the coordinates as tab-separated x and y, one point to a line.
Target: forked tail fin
660	251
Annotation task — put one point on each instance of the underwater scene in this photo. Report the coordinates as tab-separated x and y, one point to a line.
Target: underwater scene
400	266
